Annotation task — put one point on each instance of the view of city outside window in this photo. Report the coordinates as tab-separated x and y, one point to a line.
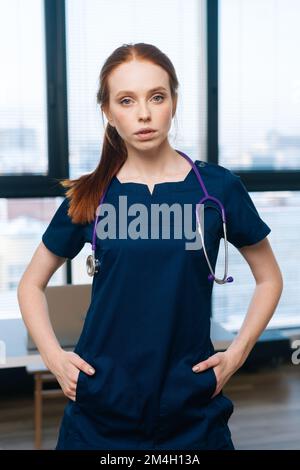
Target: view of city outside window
22	223
79	271
259	93
259	115
230	301
23	111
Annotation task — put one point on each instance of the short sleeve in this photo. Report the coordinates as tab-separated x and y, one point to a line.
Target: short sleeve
62	236
244	225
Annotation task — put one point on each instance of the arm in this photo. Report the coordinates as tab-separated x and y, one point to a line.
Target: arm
33	304
34	310
269	286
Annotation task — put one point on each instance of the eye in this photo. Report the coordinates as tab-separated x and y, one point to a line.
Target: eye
125	99
159	96
156	96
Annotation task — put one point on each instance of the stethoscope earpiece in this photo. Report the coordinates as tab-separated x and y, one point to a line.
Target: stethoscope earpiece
229	278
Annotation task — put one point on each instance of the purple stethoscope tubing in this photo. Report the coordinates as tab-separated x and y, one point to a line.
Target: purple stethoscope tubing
93	263
206	197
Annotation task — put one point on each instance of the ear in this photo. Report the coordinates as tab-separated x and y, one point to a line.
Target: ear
174	105
107	115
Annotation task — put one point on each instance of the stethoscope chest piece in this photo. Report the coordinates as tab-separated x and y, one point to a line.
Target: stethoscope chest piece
92	265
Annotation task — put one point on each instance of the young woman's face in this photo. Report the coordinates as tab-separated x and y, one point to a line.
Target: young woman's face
140	97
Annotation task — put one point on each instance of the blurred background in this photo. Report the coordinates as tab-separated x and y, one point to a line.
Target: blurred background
239	106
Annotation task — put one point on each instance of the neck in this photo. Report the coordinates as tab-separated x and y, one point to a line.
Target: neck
162	160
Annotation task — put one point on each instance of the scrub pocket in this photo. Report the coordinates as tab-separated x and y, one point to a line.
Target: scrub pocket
107	403
217	414
211	377
184	390
184	396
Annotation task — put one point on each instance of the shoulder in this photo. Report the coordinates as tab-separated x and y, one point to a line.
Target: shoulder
63	208
212	167
62	236
216	172
62	213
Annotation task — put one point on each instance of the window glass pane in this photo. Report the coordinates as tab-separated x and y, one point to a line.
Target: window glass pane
280	210
259	84
176	27
23	125
79	272
22	223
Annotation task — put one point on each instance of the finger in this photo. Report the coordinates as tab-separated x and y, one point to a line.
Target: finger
210	362
70	392
203	365
72	377
200	366
84	366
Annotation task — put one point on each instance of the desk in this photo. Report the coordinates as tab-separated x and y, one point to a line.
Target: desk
13	334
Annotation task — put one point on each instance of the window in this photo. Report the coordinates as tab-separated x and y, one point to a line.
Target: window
23	124
258	138
79	272
177	27
259	84
22	222
280	210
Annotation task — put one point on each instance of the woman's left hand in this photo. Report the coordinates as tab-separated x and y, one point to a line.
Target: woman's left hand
224	365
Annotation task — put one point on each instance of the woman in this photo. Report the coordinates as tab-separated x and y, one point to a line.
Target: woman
131	381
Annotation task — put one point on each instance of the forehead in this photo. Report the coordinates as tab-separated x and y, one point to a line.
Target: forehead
138	77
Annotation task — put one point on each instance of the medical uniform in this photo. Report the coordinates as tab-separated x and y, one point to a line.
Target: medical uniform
148	322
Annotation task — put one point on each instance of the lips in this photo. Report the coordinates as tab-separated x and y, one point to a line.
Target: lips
145	131
145	135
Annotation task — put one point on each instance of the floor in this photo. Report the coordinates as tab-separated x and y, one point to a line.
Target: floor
266	416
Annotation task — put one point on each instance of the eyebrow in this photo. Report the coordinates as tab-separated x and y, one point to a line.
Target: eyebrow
128	92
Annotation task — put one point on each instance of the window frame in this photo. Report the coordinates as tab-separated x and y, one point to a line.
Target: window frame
22	186
254	180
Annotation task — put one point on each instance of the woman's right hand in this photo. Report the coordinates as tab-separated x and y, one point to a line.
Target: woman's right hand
66	369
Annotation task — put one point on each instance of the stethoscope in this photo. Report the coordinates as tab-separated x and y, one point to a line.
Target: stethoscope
93	264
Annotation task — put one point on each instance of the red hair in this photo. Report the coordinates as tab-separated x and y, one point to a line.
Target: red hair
85	192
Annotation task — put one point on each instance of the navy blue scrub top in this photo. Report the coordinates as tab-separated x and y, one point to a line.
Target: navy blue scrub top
148	323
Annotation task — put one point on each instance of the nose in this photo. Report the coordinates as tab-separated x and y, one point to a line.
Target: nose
143	112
